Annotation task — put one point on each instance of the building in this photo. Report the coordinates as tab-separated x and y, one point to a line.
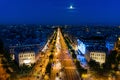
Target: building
81	47
81	52
110	43
25	57
92	48
98	56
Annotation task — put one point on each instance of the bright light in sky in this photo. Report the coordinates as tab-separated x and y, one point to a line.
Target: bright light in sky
71	7
36	12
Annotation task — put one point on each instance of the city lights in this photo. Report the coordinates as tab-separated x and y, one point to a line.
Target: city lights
27	61
62	56
59	39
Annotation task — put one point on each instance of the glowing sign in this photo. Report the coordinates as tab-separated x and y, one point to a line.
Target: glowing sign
81	46
27	61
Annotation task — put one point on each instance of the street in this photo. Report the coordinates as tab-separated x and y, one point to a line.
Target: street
70	71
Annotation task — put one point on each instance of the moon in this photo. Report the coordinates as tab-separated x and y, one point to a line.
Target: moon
71	7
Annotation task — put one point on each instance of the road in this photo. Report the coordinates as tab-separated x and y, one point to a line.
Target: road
70	71
63	65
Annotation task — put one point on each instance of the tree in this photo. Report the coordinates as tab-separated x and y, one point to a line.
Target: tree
51	56
25	68
79	68
48	68
118	57
112	57
73	51
1	46
95	66
112	60
74	55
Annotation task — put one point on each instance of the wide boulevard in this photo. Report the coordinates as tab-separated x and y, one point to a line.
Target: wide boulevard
62	55
63	67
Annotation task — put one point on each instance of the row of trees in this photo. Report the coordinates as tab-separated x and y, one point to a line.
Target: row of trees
72	51
3	60
49	65
80	69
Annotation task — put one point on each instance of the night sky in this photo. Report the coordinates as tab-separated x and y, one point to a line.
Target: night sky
58	12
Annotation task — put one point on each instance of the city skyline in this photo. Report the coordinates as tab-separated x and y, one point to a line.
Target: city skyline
60	12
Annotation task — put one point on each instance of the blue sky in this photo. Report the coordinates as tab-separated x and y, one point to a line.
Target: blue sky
57	12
